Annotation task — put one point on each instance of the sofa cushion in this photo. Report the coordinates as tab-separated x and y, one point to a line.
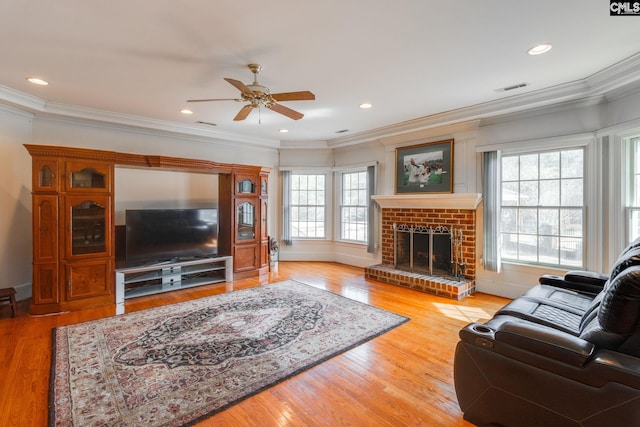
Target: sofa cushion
593	332
619	311
563	318
561	296
628	258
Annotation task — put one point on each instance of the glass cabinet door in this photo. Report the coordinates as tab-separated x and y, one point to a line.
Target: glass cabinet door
45	176
87	221
88	177
246	184
245	220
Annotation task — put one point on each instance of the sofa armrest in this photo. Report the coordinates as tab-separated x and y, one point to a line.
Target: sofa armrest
577	280
616	367
546	342
586	277
530	337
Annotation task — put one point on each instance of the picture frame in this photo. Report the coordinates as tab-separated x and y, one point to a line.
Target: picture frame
425	168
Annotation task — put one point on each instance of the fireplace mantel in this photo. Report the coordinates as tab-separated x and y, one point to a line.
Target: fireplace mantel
430	201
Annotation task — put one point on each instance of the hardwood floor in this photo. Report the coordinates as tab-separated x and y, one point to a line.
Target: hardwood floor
402	378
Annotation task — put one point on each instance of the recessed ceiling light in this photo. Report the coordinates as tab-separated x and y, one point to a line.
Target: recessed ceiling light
37	81
366	105
186	111
283	130
540	49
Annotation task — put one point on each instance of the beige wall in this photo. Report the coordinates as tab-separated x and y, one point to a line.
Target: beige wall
606	121
15	201
160	189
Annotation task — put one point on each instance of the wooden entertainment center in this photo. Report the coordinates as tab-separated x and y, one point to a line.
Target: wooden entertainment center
73	227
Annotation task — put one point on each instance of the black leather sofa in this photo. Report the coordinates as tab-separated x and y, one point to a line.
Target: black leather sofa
567	353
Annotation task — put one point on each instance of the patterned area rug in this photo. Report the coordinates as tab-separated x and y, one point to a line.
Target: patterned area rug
179	364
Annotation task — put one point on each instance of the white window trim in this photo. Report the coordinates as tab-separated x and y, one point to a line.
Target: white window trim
628	184
615	187
592	181
328	195
338	202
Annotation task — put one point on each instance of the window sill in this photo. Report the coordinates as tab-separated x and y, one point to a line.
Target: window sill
351	242
548	269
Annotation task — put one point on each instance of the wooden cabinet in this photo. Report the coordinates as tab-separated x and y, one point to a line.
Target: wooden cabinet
72	233
88	226
264	233
89	279
45	249
246	206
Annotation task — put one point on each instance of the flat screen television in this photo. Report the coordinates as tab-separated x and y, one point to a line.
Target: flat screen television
160	235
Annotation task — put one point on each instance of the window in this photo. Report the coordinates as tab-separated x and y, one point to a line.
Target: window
353	207
542	208
633	219
307	195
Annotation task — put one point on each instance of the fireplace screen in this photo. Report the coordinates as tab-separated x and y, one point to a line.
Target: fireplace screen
427	250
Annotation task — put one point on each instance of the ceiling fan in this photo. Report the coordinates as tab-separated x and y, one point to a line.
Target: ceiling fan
259	96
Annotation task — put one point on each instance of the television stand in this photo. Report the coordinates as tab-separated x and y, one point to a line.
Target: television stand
134	282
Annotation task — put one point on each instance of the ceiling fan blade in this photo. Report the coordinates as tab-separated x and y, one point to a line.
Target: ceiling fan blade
214	99
292	114
294	96
239	85
244	112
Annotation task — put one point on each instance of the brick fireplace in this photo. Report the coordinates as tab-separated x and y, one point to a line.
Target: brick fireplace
461	212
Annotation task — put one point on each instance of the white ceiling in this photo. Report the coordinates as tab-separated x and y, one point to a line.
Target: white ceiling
409	58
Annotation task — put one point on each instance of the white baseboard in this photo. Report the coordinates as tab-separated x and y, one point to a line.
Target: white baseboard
501	289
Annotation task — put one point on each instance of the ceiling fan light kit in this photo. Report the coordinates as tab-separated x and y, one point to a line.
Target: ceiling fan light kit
259	96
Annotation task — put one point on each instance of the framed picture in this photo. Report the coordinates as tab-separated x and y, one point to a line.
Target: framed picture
425	168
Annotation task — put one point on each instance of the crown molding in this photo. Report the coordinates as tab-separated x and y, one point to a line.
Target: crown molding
42	108
22	100
623	74
302	145
614	81
162	126
440	132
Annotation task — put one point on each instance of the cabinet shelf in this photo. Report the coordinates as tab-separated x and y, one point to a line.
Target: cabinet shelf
159	288
152	279
160	271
